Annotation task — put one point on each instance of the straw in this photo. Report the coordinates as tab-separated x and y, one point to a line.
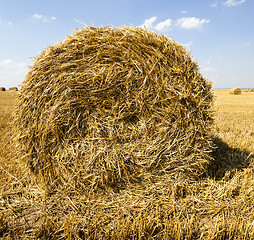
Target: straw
114	106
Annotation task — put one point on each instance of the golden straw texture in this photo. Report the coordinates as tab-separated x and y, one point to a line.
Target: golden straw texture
110	106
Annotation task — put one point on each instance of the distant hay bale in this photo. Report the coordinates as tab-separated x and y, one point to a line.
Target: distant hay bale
110	106
248	90
2	89
235	91
13	89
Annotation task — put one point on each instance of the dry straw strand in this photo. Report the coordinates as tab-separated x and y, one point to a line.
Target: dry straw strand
109	106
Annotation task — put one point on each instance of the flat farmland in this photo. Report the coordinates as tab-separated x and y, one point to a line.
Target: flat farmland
217	206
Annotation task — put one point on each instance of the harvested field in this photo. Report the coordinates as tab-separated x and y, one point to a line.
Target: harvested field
217	206
206	196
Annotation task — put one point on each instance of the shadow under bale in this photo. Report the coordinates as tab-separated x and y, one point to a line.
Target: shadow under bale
226	158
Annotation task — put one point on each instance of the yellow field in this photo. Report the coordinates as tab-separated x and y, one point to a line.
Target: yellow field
219	206
235	119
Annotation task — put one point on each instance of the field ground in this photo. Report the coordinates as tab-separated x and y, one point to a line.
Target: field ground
218	206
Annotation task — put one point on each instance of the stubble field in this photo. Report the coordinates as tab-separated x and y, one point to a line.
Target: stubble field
218	206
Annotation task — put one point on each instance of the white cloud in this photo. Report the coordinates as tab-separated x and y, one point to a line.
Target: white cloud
187	45
207	68
148	23
163	26
191	23
11	69
8	23
184	12
43	17
246	44
233	3
6	63
12	73
10	63
214	4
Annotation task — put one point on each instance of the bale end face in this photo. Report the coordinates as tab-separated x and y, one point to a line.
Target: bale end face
235	91
110	106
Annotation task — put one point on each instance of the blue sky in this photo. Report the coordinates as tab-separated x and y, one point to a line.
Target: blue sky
219	33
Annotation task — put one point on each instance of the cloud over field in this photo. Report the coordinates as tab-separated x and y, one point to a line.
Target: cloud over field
6	23
184	23
187	45
191	23
214	4
233	3
163	26
160	27
148	23
43	17
11	64
12	72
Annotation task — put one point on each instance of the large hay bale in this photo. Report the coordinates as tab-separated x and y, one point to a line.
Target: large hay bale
13	89
2	89
110	105
235	91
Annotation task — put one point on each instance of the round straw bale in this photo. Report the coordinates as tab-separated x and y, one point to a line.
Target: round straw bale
235	91
13	89
108	106
2	89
